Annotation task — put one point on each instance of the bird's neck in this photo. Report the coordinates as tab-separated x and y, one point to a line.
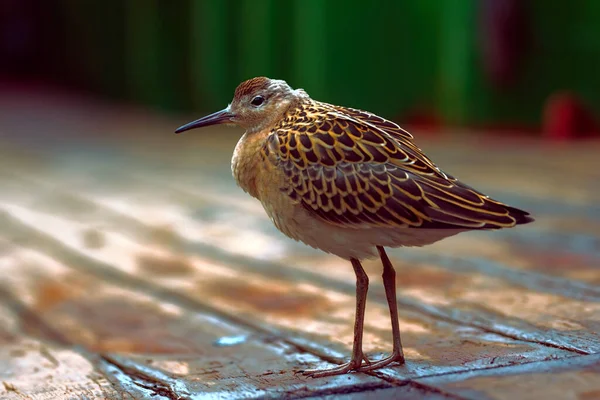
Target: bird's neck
247	156
245	164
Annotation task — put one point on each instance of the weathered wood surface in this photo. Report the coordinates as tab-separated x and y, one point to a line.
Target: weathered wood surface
132	267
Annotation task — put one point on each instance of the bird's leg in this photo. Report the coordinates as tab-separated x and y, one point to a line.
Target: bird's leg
362	286
389	282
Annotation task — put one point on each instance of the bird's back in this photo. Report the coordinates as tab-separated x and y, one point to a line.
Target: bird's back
353	169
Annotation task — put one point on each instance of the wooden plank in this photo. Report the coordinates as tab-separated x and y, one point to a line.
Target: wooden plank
297	310
33	370
36	362
147	346
572	378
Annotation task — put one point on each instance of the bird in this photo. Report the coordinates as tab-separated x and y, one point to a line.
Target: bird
350	183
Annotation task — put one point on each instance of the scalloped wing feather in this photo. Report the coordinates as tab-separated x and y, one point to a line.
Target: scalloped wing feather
354	169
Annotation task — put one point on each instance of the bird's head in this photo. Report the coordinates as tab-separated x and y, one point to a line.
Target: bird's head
257	103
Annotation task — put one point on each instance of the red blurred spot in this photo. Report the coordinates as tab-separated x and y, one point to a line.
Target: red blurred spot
566	117
422	120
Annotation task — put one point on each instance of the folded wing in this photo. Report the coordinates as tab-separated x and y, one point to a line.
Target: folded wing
354	169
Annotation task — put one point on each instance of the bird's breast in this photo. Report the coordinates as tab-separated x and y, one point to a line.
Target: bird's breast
248	166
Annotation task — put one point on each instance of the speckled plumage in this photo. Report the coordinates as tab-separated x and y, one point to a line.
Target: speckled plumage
356	179
347	182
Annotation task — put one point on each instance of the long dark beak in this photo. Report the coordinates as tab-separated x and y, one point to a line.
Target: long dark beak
220	117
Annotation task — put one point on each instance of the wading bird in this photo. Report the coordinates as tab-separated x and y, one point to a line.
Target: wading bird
349	183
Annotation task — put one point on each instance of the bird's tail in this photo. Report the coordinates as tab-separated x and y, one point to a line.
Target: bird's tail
521	217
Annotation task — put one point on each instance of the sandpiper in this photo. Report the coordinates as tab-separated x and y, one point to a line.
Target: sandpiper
350	183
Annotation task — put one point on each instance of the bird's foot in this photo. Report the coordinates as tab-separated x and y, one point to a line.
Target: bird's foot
396	356
353	365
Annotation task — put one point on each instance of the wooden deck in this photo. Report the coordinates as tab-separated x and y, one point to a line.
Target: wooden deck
132	267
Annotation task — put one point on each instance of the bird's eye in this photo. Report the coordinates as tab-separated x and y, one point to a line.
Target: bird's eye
257	101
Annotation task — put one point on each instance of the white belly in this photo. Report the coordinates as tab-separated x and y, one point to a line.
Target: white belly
360	243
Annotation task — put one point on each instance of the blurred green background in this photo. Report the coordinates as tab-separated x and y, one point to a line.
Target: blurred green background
461	62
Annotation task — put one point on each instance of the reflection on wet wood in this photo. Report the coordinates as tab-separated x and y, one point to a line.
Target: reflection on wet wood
132	267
